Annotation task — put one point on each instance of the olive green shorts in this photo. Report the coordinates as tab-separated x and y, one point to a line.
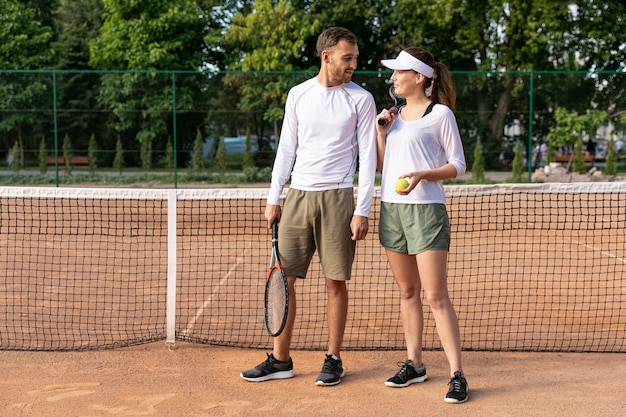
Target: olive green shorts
317	220
414	228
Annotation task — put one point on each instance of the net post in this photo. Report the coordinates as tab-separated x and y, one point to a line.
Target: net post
171	269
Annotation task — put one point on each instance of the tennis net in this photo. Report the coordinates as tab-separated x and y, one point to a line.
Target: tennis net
533	267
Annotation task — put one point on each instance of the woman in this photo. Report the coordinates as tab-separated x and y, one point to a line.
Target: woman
422	145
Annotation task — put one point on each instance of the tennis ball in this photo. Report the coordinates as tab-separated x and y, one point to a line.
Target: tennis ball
402	184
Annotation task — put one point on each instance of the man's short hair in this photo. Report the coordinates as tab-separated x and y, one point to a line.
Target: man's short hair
331	37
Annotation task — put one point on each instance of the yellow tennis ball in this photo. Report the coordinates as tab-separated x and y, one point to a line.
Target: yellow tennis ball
402	184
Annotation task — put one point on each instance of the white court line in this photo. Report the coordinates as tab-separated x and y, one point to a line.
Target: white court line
208	301
603	252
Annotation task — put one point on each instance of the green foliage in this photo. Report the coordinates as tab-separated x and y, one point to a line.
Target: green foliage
92	154
488	35
478	166
43	156
76	22
571	126
220	157
15	157
550	155
567	127
68	154
610	163
578	162
263	31
149	35
24	44
254	174
169	156
518	164
25	41
145	150
280	35
273	37
516	35
118	161
248	156
197	163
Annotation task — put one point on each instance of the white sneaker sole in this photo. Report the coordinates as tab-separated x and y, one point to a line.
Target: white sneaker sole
407	383
275	375
320	383
453	401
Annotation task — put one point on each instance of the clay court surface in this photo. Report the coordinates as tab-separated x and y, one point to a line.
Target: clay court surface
199	379
195	380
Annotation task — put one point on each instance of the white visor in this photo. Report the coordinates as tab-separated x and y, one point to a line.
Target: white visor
406	61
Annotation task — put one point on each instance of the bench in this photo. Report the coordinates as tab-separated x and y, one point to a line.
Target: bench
565	159
77	162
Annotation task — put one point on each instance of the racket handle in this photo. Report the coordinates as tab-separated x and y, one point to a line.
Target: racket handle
383	122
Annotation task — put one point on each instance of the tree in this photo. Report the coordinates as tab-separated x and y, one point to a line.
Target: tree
281	35
610	163
248	156
578	163
15	158
517	35
571	127
118	161
220	157
78	22
518	164
25	46
272	37
197	163
43	156
489	35
478	166
68	153
92	154
169	155
44	10
550	155
367	19
502	38
149	35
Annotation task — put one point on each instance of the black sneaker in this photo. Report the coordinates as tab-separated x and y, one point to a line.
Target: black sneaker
331	372
407	375
457	393
271	368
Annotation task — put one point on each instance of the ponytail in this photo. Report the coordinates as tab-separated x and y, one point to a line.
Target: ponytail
440	85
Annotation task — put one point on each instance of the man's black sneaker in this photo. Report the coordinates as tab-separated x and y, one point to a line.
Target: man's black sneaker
458	391
331	372
407	375
271	368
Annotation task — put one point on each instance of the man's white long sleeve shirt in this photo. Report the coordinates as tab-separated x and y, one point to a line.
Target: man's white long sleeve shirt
327	132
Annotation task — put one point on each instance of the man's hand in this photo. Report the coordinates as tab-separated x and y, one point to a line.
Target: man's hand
272	212
359	226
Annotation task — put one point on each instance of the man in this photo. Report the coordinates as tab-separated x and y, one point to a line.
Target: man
328	128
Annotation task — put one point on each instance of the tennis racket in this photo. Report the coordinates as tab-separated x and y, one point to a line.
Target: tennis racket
393	109
276	291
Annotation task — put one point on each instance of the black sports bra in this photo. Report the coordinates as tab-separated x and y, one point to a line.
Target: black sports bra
429	108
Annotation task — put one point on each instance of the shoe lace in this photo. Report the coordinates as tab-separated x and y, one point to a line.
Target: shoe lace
268	362
456	384
329	365
404	366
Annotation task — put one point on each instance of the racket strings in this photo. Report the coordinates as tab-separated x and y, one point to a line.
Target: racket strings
276	302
